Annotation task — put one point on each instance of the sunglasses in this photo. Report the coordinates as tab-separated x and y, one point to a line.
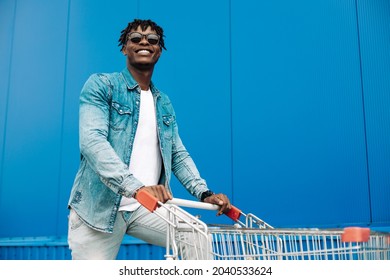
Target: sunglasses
137	37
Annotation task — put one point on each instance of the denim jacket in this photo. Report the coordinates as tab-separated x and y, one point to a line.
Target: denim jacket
109	110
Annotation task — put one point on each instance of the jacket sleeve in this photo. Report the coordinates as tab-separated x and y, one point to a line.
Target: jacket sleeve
93	131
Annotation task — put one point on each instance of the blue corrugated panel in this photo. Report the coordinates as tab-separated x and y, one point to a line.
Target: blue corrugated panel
34	248
135	249
56	248
374	30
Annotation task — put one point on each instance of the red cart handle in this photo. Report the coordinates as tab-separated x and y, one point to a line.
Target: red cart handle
147	200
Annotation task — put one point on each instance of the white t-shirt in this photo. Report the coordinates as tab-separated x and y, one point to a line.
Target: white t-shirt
145	161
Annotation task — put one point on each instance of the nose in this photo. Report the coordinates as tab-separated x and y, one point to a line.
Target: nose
144	40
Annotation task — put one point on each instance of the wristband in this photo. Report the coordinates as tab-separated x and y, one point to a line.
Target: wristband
205	195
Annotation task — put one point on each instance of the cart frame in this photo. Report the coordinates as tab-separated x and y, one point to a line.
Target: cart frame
253	239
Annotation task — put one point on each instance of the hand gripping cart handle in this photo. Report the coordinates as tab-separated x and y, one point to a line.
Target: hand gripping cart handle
151	203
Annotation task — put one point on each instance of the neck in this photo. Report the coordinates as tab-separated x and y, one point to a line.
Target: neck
142	75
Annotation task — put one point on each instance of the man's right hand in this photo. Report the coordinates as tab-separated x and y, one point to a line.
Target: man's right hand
159	192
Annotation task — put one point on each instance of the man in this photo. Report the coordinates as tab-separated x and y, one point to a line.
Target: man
128	140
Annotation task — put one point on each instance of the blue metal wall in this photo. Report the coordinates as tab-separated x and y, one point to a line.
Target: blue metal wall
56	248
295	119
374	30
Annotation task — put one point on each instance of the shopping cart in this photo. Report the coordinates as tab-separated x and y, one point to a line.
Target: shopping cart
250	238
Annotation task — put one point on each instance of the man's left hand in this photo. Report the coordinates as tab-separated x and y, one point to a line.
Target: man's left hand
220	200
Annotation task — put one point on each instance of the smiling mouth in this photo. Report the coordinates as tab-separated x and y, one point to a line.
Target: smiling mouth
143	51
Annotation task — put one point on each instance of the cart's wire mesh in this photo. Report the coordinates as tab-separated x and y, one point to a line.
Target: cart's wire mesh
230	243
189	238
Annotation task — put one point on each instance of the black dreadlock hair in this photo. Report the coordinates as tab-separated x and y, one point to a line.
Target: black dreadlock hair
144	24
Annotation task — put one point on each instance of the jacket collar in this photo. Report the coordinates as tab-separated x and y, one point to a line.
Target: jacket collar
131	83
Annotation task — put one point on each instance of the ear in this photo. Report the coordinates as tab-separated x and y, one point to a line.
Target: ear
124	51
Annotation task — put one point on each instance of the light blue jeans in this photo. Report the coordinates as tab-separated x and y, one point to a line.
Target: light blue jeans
89	244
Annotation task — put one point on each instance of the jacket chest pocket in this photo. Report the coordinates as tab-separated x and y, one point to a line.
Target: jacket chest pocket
120	116
168	121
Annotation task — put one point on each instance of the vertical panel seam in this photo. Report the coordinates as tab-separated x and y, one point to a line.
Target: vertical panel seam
363	108
231	101
7	102
63	118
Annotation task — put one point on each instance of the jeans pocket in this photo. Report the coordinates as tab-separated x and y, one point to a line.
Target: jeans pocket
74	220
